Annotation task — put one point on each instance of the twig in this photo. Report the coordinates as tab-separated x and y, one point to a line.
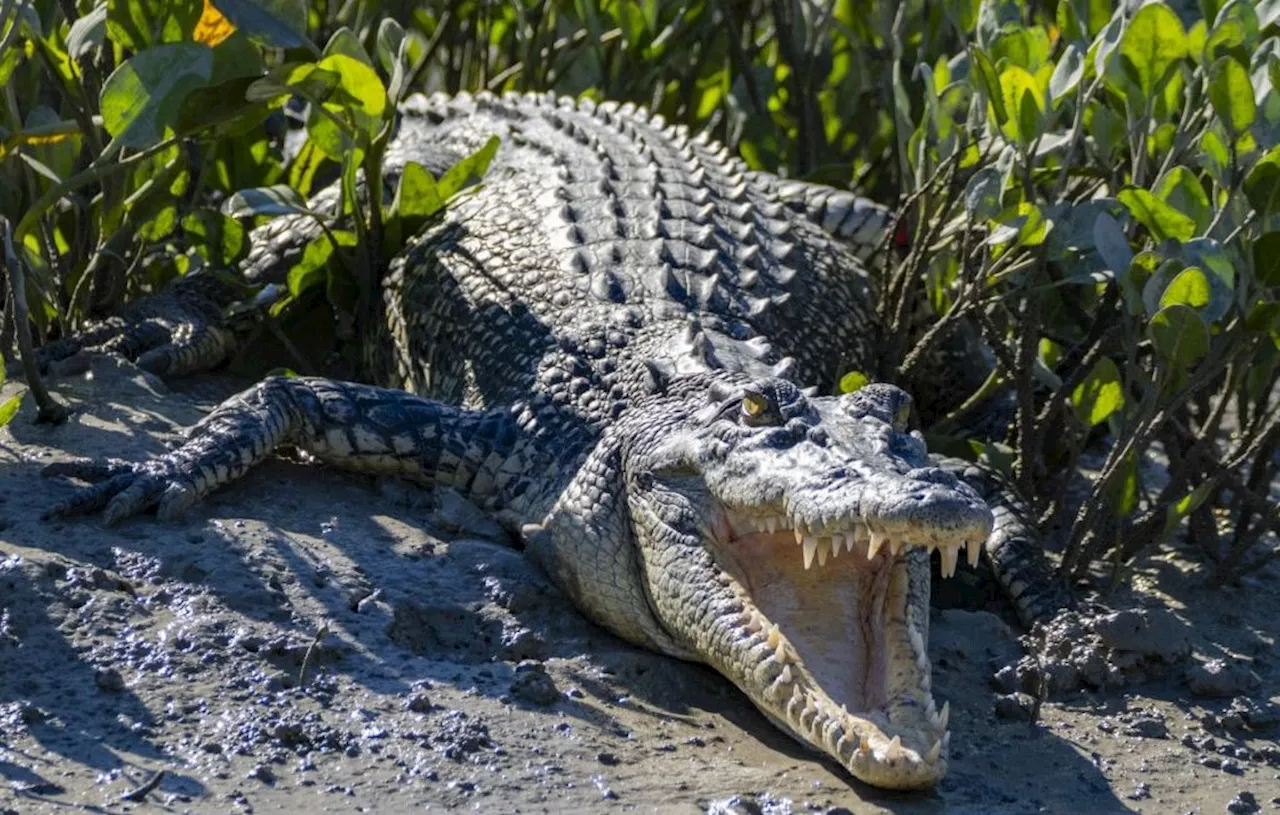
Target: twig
306	659
139	793
50	412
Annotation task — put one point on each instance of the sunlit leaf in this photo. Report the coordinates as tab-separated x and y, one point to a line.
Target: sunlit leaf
1231	94
1153	44
471	168
1162	220
852	381
142	97
1190	288
1180	189
1100	394
313	268
10	408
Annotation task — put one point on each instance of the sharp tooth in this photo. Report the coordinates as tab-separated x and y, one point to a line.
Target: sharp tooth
917	639
799	535
774	638
771	524
824	549
864	745
895	546
785	678
935	752
810	548
873	548
894	751
975	549
944	716
850	539
950	554
837	543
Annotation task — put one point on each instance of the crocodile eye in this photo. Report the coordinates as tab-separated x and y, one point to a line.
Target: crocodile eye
759	410
903	416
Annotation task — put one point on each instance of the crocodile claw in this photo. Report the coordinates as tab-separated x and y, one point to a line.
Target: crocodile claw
123	489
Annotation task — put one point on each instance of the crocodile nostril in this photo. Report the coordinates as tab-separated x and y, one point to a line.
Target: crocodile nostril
933	475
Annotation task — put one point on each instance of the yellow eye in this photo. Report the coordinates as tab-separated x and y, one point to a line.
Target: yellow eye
754	405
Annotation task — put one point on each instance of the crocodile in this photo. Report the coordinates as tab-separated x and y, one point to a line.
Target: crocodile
616	344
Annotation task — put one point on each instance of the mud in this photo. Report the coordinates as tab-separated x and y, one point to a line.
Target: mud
309	640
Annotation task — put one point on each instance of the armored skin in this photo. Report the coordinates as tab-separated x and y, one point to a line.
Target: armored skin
605	344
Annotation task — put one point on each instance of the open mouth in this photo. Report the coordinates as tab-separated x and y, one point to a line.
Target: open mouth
833	636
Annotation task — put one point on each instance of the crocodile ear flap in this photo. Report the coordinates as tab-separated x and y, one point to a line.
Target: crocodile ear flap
659	373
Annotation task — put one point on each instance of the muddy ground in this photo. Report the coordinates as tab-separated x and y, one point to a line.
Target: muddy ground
311	641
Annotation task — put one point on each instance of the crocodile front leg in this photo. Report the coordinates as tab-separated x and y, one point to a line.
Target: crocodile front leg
353	426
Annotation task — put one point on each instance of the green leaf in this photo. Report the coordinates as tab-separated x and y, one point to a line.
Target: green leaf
1123	490
852	381
218	238
1153	44
87	33
473	167
1112	245
10	408
1025	102
277	200
1100	394
1067	73
355	111
986	81
1022	222
1163	221
1179	335
982	193
306	80
1186	505
1235	32
313	268
345	42
1231	94
281	23
417	196
1266	259
1262	184
136	25
1190	288
390	39
1105	44
143	96
1180	189
1264	317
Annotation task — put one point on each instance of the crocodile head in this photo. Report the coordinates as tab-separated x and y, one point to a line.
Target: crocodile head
785	541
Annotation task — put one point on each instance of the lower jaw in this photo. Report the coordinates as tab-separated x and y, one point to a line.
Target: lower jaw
870	711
